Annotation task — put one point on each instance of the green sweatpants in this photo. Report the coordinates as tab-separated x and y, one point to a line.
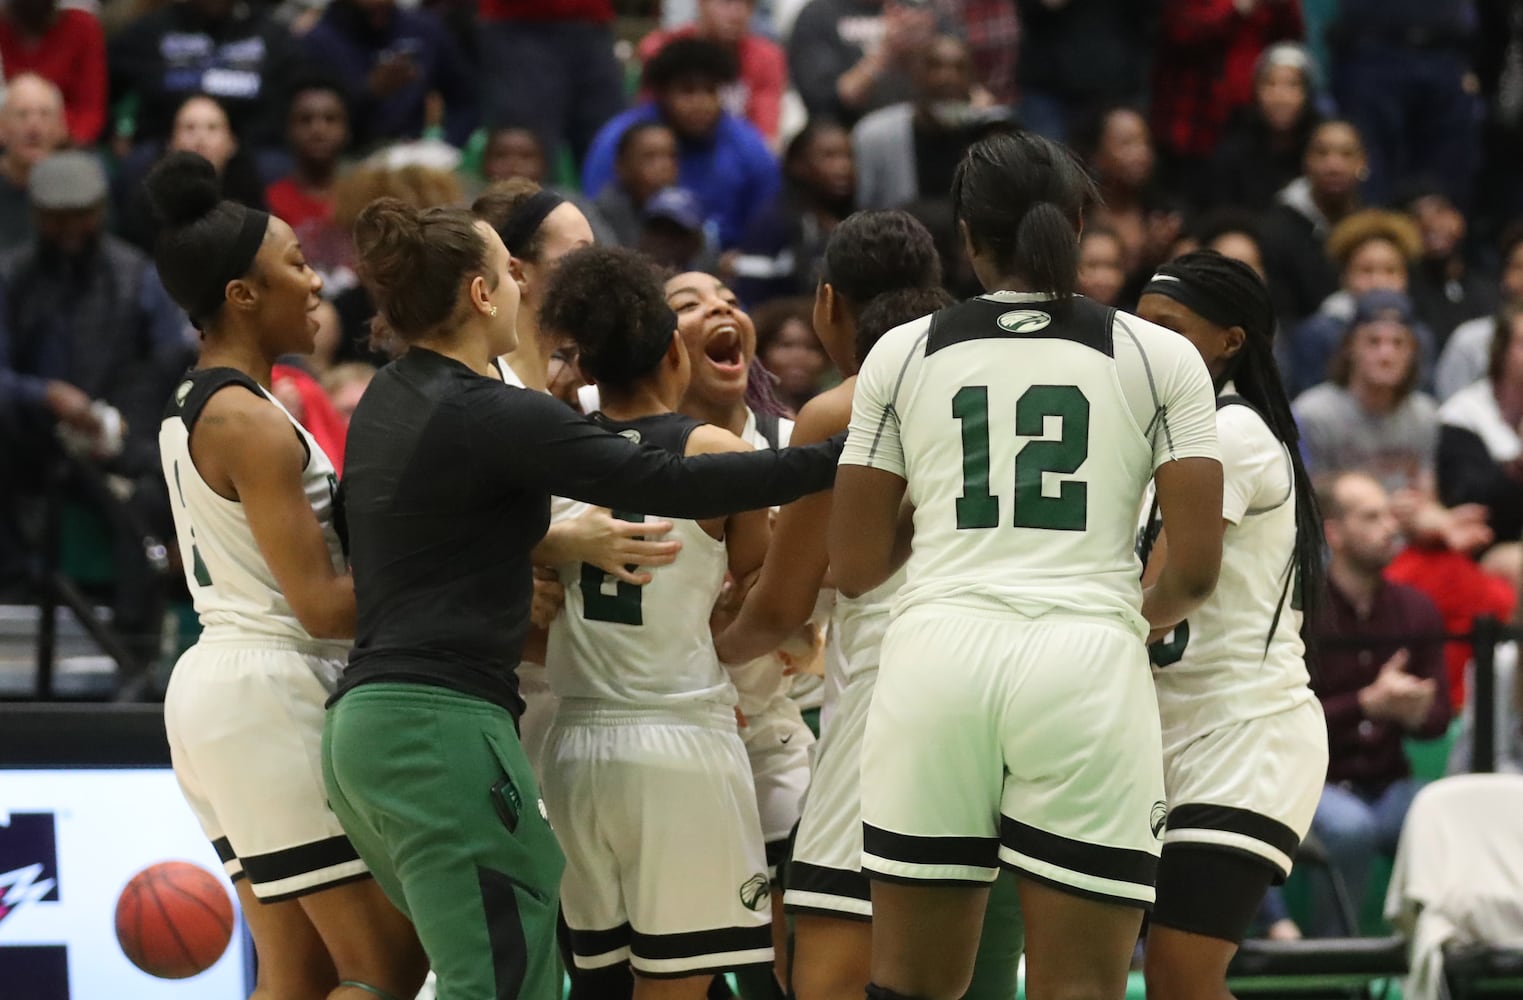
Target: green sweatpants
437	796
1001	944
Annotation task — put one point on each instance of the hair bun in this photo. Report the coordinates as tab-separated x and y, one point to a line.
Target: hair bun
183	189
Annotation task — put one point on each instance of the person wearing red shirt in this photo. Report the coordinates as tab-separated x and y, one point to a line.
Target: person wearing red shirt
757	95
317	133
65	47
1207	51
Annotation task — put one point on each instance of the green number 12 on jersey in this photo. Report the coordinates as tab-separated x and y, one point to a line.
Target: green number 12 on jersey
1069	510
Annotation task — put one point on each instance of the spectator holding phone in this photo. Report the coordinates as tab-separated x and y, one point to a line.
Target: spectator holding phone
392	59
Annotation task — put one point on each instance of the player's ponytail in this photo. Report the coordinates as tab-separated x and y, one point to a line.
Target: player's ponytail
1047	250
1022	199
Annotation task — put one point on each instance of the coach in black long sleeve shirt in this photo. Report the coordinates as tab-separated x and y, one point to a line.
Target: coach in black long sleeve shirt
447	482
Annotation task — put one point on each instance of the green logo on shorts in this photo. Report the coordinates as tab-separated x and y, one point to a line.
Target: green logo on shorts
1160	818
754	892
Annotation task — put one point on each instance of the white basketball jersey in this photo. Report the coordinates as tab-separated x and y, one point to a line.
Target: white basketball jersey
762	681
1239	655
230	583
647	645
1027	434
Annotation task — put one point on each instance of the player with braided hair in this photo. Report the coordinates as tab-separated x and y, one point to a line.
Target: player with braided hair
1245	745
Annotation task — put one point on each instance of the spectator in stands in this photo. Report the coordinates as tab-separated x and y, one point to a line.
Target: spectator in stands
787	347
66	47
992	30
1078	56
1368	416
515	151
345	384
645	161
1446	289
1480	456
31	129
722	159
1233	234
201	126
1297	227
1372	249
1466	355
757	92
1203	72
1265	142
909	151
673	232
552	67
1377	683
391	59
1119	149
1499	72
305	400
317	134
233	52
86	326
1102	271
1402	75
849	57
779	255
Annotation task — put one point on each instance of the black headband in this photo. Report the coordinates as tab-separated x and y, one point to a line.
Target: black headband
1210	304
233	263
524	221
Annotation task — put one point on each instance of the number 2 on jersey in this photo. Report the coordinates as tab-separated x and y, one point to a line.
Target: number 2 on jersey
1069	510
622	607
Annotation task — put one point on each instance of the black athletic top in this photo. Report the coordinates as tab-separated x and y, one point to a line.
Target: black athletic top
447	480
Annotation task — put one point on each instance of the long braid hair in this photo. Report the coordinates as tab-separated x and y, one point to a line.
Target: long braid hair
1236	290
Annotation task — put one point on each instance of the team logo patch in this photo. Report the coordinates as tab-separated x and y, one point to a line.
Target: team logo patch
753	893
631	435
1024	321
1159	819
182	392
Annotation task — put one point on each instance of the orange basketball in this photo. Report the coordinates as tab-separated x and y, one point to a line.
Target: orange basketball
174	920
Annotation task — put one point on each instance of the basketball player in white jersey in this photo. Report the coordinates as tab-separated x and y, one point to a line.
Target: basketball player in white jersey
646	779
253	499
721	345
539	228
1012	437
1245	744
881	268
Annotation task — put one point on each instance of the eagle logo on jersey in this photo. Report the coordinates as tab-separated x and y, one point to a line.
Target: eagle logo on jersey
1160	819
1024	321
631	435
753	892
182	392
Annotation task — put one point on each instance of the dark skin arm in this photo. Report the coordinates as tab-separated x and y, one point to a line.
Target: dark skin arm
869	532
796	563
248	452
1190	500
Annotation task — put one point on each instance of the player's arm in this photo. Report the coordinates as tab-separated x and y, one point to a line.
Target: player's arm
747	534
868	537
794	569
249	451
1187	477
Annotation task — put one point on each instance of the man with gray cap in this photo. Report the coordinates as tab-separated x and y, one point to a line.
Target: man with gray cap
90	346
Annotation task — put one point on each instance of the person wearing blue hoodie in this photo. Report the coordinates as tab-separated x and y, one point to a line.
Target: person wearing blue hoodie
721	158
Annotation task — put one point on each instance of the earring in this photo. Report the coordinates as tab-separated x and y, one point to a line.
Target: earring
493	312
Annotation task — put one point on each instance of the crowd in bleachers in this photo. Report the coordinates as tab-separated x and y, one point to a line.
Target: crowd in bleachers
1362	154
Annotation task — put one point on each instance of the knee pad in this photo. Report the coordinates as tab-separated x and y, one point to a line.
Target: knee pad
372	990
876	992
